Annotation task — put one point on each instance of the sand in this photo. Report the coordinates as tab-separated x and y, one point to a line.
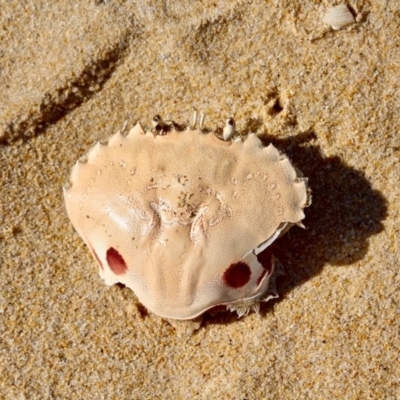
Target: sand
72	73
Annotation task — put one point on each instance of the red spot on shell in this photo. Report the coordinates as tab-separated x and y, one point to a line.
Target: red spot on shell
115	261
237	275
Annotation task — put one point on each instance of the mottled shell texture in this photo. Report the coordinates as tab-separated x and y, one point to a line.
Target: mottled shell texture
182	218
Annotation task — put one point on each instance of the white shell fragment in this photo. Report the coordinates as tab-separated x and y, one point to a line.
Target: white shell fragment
338	17
229	129
184	218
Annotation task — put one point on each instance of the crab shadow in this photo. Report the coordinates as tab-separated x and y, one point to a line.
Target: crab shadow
344	213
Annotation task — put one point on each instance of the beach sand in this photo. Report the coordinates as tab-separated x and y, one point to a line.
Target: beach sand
72	73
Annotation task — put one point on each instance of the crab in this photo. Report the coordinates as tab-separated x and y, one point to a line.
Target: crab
185	218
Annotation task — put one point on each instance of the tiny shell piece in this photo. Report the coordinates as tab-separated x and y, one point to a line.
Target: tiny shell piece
229	129
338	17
185	219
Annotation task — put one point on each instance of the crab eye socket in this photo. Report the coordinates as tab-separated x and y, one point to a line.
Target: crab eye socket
265	258
237	275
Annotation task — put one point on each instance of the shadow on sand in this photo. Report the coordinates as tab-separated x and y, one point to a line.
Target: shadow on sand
344	213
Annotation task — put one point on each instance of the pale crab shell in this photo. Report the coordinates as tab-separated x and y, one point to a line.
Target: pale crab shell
181	218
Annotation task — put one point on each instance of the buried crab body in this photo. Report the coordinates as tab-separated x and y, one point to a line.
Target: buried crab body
184	218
